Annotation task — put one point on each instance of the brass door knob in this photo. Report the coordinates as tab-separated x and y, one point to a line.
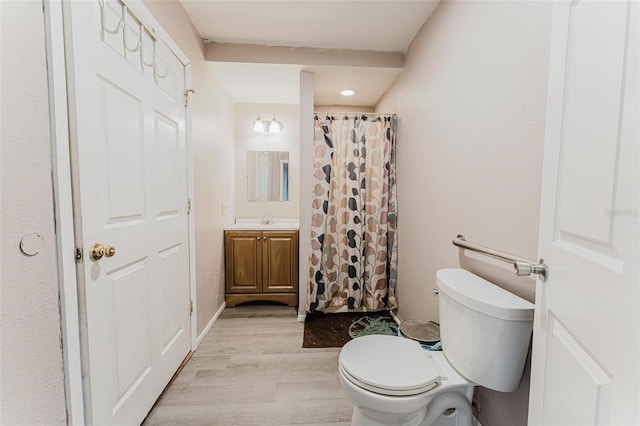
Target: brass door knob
109	251
98	251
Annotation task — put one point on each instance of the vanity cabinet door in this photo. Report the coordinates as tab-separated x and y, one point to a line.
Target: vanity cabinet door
261	266
243	259
280	262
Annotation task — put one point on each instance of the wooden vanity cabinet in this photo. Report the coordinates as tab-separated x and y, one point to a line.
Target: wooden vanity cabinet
261	266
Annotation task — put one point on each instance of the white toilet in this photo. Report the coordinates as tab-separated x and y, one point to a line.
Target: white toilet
485	334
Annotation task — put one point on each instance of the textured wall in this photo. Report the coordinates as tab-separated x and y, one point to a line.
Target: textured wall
212	139
248	140
32	379
471	107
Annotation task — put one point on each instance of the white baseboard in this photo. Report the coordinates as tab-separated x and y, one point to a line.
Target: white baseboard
301	317
215	316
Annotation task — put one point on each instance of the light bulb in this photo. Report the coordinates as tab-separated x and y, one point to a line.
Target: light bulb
275	126
258	125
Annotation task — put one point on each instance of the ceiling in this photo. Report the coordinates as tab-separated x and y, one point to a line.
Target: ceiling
362	25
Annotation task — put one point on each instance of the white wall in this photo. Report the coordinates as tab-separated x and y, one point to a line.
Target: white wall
32	381
213	151
248	140
471	107
306	184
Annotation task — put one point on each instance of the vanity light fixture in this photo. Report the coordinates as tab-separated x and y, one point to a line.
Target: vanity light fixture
273	126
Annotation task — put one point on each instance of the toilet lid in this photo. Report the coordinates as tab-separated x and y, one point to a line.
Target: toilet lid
388	365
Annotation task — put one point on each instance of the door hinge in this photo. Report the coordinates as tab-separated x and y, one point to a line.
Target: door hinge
78	255
189	206
187	96
190	307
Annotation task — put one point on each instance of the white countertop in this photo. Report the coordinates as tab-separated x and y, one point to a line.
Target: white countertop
260	224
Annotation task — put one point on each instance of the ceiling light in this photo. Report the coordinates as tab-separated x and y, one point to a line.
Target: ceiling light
347	92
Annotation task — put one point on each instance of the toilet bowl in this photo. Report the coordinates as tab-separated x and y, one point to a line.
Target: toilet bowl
392	380
485	333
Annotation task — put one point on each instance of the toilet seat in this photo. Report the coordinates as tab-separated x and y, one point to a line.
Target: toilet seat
388	365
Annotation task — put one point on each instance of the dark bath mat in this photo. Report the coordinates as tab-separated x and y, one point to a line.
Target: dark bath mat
333	330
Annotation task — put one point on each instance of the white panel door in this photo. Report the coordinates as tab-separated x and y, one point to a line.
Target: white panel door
586	345
127	114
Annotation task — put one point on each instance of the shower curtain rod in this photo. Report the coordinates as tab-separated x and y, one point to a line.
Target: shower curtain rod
352	114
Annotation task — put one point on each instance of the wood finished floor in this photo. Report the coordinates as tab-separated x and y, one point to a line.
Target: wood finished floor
251	369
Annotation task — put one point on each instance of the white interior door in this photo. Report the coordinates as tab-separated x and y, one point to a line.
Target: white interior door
586	347
126	95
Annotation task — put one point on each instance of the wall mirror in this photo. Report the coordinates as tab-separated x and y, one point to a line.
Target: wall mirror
268	175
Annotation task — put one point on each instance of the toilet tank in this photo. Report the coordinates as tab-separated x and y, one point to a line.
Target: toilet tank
485	330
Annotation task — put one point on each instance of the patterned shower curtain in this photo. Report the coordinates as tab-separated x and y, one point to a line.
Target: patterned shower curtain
353	260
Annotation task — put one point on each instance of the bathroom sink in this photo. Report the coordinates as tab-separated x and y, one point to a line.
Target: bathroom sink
277	225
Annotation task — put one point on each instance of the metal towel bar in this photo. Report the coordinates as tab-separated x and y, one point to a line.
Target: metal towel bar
521	266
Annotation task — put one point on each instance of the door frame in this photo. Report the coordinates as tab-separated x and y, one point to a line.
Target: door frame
63	197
